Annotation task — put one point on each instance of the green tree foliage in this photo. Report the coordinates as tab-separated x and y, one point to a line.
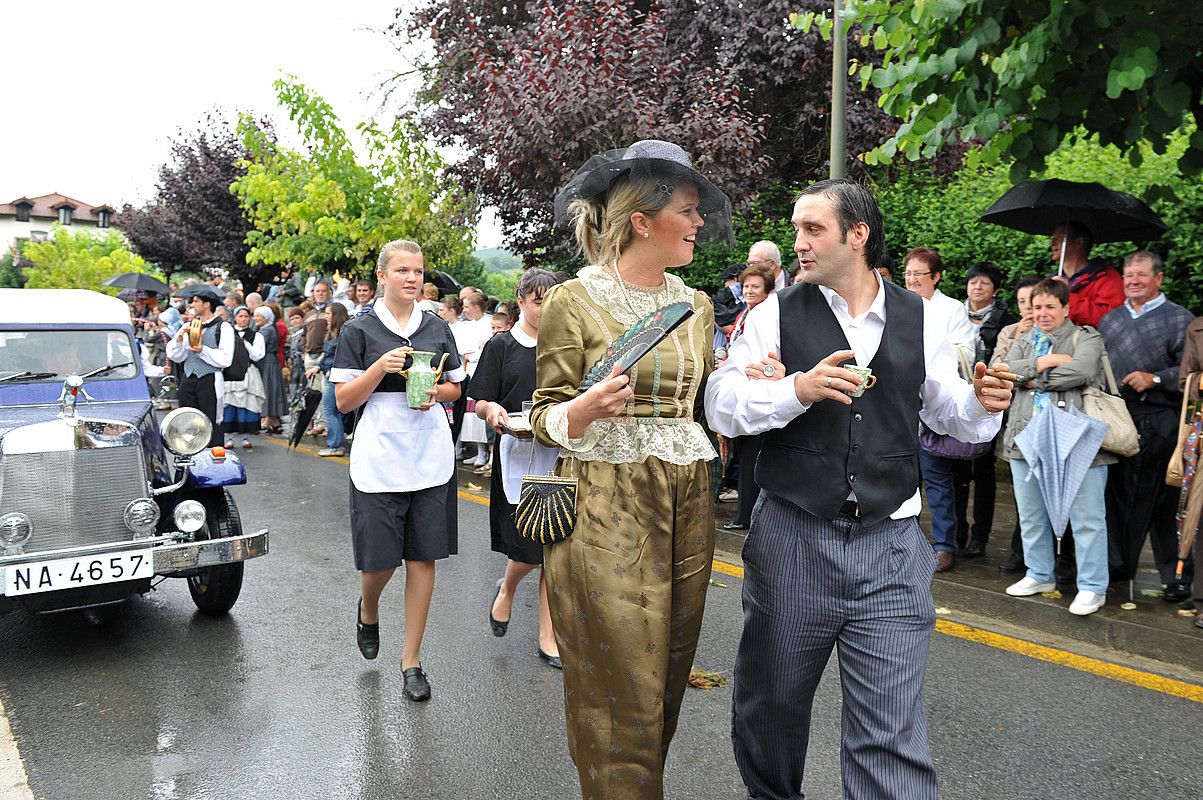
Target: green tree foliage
194	224
502	285
921	209
323	209
1022	75
11	274
80	260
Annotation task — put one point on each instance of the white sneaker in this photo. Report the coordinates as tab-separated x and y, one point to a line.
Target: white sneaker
1026	587
481	459
470	460
728	496
1087	603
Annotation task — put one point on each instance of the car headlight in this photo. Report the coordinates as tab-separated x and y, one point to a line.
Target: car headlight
142	516
190	516
15	530
186	431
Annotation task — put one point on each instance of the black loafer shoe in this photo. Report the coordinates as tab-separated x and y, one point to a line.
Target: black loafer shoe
974	549
499	627
1176	592
366	636
552	660
735	526
1013	565
417	688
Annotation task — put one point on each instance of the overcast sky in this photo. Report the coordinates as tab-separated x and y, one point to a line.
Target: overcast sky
97	89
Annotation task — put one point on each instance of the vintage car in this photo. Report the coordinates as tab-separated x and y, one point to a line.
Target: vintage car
99	499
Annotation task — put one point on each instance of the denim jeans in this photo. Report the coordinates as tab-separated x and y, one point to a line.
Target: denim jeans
1087	516
936	472
334	420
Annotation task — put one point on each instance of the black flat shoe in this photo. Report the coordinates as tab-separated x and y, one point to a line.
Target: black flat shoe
499	627
366	636
1176	592
417	687
552	660
974	549
1013	565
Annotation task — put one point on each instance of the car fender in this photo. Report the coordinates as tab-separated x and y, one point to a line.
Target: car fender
207	472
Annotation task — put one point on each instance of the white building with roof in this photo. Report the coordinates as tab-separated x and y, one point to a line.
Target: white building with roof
30	219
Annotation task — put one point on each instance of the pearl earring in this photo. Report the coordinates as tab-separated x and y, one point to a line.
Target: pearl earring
646	234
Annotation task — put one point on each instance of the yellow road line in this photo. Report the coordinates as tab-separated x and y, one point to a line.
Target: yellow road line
1093	666
1104	669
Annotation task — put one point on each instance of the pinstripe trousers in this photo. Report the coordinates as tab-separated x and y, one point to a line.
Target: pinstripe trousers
810	585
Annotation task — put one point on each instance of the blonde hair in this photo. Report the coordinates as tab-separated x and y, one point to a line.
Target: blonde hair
603	225
396	245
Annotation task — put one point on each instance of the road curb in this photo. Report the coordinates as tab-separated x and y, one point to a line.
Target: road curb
1103	629
14	784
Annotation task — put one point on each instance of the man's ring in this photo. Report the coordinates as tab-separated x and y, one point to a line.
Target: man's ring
769	370
828	384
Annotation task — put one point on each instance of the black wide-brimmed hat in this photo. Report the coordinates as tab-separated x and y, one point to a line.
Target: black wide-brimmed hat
654	159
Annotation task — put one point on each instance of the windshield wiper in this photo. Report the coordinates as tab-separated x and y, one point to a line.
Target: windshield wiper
106	370
33	376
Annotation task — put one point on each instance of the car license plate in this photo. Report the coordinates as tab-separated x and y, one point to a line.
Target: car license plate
72	573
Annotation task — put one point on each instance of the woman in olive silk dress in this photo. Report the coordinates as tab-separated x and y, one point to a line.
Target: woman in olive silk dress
628	588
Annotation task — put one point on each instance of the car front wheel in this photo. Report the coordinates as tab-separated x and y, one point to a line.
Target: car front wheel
216	589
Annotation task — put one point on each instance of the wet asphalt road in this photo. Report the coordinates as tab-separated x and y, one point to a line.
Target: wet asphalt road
151	700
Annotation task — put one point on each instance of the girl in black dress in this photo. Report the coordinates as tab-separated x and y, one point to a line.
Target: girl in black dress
403	494
504	378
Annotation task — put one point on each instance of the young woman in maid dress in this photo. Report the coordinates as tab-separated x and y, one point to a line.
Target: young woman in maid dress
403	494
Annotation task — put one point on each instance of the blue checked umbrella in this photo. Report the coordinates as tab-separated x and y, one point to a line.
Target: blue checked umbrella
1059	447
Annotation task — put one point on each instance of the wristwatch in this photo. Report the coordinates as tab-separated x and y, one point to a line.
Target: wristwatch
1156	380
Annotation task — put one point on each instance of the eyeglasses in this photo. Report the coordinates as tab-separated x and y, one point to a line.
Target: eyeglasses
916	274
758	261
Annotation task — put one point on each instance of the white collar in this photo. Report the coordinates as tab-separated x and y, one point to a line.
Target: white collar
877	308
521	336
390	322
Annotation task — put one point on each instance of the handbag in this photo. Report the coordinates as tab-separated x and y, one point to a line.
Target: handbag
945	446
1175	470
546	511
1122	438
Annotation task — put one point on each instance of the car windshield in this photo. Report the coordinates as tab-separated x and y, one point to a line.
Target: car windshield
51	355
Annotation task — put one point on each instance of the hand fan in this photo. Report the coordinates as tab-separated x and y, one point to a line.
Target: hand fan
639	340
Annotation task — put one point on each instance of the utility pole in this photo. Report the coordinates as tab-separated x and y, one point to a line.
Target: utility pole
839	93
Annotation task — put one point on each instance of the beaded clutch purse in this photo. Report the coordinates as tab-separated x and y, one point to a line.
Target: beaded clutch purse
546	511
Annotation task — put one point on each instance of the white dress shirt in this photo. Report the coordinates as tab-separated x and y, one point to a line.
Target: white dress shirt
221	357
954	318
736	405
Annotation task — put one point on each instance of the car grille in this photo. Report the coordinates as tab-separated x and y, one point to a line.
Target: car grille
73	497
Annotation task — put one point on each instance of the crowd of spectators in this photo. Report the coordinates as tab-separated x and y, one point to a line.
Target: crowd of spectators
1058	335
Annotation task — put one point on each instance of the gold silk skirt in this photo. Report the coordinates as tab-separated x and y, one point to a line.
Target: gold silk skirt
627	592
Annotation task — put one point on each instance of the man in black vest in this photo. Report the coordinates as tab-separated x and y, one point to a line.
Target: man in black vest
835	556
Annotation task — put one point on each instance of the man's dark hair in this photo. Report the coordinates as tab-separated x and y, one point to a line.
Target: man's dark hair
988	270
1078	231
928	256
853	204
1054	287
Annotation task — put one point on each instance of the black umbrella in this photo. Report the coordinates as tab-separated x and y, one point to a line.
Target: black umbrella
138	281
446	283
1041	206
304	405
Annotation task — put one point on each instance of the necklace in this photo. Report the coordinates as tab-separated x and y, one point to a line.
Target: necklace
626	294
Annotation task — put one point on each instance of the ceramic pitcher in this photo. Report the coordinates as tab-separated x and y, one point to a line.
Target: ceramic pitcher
421	377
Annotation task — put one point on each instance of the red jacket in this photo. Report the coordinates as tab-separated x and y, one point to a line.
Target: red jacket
1094	291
